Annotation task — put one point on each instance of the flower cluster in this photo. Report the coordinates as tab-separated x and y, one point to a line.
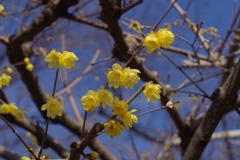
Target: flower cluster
13	110
119	76
53	107
4	80
29	65
59	60
152	91
93	99
155	40
120	109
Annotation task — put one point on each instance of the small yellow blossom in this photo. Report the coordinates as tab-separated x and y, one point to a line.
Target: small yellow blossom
167	25
152	91
26	60
130	77
114	75
165	37
194	98
53	107
113	128
54	59
105	97
84	158
4	80
167	86
119	107
151	42
46	156
93	155
68	59
135	25
25	158
90	100
8	108
9	70
128	118
1	7
29	134
29	67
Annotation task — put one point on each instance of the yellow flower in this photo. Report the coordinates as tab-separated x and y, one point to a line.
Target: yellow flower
113	128
53	107
194	98
4	80
26	60
1	7
9	70
151	42
114	75
130	77
93	155
165	37
29	134
45	156
25	158
105	97
19	114
29	67
119	107
68	59
84	158
167	86
8	108
90	100
128	118
152	91
135	25
54	59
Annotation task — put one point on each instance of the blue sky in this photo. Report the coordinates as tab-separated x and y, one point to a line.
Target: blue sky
84	41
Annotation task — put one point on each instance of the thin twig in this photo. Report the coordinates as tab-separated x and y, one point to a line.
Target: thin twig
134	145
48	119
164	14
158	108
136	94
186	75
229	32
15	132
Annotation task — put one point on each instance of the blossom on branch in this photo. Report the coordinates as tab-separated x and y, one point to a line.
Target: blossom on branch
59	60
114	75
53	107
152	91
119	107
90	100
128	118
4	80
155	40
105	97
68	59
130	77
118	76
113	128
